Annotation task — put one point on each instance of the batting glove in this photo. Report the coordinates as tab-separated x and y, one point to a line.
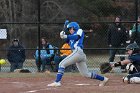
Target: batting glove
63	35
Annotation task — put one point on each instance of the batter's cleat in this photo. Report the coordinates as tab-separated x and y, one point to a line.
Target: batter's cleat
54	84
102	83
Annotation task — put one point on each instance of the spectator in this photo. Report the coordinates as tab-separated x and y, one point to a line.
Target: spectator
16	55
63	54
117	39
46	57
128	34
136	35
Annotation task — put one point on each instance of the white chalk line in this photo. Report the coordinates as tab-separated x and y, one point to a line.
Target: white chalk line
82	84
33	91
50	88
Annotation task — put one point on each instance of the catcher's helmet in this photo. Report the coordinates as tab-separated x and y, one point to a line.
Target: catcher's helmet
75	25
133	47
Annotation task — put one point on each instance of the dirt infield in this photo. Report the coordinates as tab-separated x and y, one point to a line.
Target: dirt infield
70	84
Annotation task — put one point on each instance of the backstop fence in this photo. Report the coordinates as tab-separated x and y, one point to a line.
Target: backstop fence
29	20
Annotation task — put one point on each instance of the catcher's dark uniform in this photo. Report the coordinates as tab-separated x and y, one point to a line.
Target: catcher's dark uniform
135	60
133	68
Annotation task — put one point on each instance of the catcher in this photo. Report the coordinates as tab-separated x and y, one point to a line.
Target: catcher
133	64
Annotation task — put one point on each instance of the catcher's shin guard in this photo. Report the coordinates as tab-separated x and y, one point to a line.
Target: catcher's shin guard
131	68
132	80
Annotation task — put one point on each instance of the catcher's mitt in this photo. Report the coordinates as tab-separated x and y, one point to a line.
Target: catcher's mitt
105	67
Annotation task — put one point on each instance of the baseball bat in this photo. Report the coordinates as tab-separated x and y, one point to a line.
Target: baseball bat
65	25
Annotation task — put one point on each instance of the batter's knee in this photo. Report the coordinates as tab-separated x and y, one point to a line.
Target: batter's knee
61	66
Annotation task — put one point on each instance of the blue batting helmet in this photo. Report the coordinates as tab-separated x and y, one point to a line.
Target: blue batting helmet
73	25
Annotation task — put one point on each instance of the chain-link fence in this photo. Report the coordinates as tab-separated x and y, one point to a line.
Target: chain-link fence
29	20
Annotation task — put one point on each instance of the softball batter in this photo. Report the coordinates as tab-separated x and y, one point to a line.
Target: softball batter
75	40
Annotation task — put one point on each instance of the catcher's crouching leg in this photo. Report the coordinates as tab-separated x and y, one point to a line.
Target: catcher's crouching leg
132	80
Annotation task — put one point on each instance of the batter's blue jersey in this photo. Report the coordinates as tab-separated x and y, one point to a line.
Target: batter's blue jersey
76	39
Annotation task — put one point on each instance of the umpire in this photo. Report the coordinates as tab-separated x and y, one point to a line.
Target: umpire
16	55
117	37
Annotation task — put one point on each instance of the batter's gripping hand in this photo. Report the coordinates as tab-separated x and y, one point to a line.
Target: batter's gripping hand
63	35
105	67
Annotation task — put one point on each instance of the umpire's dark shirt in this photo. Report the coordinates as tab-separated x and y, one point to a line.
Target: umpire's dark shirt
116	35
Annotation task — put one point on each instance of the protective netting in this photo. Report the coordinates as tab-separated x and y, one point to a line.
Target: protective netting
27	20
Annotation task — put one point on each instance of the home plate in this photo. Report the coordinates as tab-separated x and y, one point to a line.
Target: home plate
82	84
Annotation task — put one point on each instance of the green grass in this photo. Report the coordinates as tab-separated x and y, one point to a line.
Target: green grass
30	75
93	61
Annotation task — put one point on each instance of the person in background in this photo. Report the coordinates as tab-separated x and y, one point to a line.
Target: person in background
117	38
63	54
16	55
136	35
46	55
